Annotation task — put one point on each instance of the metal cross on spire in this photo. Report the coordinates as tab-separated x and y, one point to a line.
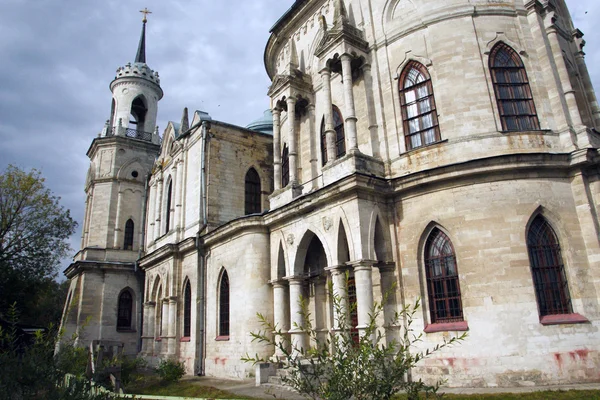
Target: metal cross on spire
145	11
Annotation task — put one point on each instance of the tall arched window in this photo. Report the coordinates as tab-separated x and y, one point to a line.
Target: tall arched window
187	309
340	136
252	192
168	210
125	310
138	113
224	305
513	94
418	106
551	290
285	166
128	241
443	288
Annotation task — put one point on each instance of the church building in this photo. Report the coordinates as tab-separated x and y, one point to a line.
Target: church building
442	150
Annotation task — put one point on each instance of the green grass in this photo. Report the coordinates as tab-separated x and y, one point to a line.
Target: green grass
152	385
545	395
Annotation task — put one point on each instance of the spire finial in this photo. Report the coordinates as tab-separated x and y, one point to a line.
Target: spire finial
140	56
145	11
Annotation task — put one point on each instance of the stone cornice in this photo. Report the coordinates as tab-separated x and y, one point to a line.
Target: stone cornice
112	141
79	267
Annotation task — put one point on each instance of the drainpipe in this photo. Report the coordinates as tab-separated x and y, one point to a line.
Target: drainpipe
135	266
201	301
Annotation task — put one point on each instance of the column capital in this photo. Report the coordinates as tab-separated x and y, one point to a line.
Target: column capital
172	299
276	111
325	71
338	269
150	304
386	266
296	279
362	264
346	57
279	283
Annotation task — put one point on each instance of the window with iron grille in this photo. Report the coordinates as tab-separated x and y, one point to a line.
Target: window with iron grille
168	211
128	242
353	311
549	280
513	94
224	305
252	192
125	306
419	114
285	166
443	287
187	310
340	136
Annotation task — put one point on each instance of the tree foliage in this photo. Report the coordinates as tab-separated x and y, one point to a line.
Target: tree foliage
337	367
34	229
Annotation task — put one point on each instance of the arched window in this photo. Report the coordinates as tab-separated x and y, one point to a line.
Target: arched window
547	268
442	279
187	309
340	137
285	166
513	94
125	310
418	106
168	210
252	195
128	242
224	305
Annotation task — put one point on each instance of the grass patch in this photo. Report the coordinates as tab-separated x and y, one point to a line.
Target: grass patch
152	385
545	395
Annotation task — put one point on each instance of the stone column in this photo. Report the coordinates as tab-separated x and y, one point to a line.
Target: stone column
164	331
364	292
149	322
118	237
340	291
388	291
277	147
315	140
350	120
151	214
291	111
178	195
158	208
588	88
298	338
281	310
172	328
563	73
328	112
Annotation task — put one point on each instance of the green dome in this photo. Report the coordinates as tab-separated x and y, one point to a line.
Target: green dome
263	124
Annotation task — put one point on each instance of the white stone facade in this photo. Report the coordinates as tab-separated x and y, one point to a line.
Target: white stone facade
371	201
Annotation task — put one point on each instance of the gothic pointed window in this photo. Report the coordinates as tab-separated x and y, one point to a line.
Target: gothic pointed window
443	288
125	308
547	269
128	241
252	192
138	113
419	114
340	136
513	93
224	305
187	310
285	166
168	210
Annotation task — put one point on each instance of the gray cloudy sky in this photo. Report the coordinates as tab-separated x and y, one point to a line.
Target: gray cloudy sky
57	58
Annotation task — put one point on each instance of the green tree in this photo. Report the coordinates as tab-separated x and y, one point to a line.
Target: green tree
338	368
34	229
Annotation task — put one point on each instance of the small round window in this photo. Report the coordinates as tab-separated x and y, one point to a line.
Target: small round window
134	174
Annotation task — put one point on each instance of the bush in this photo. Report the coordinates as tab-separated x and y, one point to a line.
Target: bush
338	368
170	370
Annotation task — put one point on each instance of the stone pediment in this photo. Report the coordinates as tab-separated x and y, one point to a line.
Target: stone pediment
296	79
345	34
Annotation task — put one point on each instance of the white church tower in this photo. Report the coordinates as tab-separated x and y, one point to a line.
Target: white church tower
105	284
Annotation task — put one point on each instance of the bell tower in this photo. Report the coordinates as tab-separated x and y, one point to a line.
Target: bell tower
105	292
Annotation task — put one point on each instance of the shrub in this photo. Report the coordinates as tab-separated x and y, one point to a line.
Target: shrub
338	368
170	370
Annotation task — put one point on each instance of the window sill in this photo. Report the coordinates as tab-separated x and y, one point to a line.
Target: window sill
560	319
185	339
158	340
125	330
222	338
424	146
447	326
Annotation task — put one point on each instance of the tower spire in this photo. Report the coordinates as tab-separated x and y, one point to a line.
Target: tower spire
140	56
